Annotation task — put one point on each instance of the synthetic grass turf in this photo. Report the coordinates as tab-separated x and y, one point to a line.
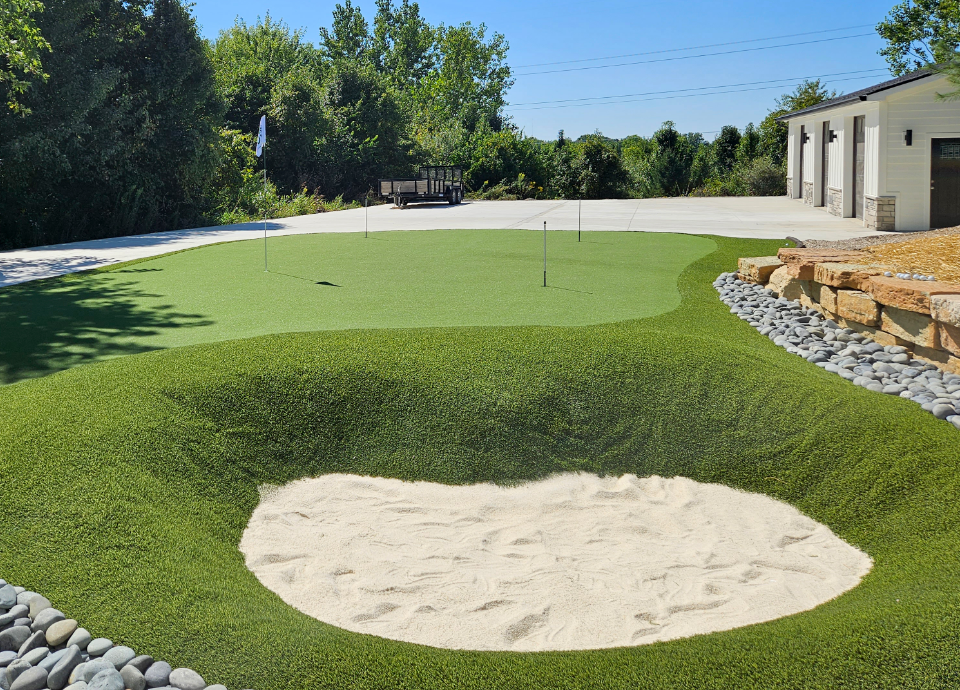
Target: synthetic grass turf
128	484
340	281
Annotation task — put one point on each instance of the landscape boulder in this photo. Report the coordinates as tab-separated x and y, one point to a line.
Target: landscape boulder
758	269
912	295
855	305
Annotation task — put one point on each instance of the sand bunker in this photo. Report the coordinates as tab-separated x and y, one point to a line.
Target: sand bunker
571	562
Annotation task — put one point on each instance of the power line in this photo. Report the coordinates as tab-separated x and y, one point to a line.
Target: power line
702	88
701	47
699	55
663	98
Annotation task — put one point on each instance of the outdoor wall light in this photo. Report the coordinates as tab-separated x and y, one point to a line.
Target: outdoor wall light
908	137
832	136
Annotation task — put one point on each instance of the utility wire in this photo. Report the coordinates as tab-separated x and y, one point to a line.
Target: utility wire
699	55
662	98
708	45
703	88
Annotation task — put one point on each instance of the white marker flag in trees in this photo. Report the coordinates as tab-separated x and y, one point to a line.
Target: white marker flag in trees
262	137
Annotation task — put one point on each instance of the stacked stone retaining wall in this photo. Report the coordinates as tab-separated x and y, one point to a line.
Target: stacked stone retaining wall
921	316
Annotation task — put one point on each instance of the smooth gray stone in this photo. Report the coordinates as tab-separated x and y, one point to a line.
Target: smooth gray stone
76	675
31	679
37	639
25	622
99	646
46	618
36	655
7	658
106	680
60	674
893	389
19	589
81	637
158	675
875	387
13	638
52	660
141	663
92	668
8	597
18	611
7	619
38	603
132	678
79	685
217	686
943	411
186	679
13	671
119	656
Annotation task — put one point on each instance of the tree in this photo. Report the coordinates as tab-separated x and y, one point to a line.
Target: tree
470	81
920	33
725	148
772	134
669	167
122	134
349	37
403	44
21	45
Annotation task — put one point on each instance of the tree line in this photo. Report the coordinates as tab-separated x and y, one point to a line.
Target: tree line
121	119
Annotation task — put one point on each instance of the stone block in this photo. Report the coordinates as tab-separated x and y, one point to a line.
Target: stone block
878	335
758	269
942	359
854	305
809	256
912	295
949	338
785	285
850	276
910	325
946	309
827	297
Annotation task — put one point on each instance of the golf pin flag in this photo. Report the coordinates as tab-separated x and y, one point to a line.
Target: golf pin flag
262	137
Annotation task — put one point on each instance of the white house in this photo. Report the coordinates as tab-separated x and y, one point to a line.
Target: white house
888	154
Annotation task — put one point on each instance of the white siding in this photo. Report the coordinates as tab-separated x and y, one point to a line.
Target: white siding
871	169
908	167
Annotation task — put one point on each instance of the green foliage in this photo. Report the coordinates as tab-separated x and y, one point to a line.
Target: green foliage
136	477
21	47
123	133
348	39
920	33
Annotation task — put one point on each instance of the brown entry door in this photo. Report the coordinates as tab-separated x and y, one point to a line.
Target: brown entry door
859	163
945	183
825	173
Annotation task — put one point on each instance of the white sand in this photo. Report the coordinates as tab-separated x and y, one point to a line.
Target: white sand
571	562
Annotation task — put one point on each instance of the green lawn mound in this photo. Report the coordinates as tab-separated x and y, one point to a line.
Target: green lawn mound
128	484
341	281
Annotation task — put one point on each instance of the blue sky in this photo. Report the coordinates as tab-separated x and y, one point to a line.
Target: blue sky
551	32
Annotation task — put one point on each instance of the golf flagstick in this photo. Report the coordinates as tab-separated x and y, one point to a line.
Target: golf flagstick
544	253
261	145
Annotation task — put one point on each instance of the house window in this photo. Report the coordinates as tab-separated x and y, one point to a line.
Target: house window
950	152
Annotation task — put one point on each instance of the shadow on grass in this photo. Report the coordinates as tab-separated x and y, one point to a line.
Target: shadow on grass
52	325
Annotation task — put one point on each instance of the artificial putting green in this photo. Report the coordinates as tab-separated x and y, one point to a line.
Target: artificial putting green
128	484
340	281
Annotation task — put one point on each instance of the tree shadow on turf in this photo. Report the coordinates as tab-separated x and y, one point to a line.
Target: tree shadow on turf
52	325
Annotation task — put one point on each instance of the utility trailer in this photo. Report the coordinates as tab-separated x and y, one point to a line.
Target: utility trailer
435	183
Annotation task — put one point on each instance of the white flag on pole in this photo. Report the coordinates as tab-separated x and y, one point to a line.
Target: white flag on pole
262	137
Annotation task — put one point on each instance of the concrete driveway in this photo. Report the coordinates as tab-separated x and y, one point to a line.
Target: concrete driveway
757	217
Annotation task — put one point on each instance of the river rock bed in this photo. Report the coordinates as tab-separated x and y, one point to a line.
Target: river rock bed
889	370
41	648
